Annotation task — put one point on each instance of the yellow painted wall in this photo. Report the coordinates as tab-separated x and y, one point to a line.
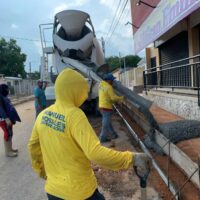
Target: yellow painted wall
151	53
132	78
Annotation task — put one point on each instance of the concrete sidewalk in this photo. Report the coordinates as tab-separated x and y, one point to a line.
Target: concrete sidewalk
19	100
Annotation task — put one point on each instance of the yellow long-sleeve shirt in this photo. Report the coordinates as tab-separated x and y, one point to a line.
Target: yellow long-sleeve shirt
107	96
63	143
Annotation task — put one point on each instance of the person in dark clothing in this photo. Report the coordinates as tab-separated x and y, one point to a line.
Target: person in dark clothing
40	98
8	117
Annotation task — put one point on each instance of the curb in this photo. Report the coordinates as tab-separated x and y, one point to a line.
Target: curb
22	100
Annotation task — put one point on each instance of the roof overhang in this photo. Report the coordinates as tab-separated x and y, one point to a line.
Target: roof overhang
164	17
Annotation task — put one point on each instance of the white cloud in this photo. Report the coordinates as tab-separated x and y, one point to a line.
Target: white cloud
128	32
121	39
60	8
79	2
39	47
14	26
118	25
101	12
109	3
103	27
104	24
65	6
120	42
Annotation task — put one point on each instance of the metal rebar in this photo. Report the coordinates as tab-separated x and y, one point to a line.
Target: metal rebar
143	147
198	85
168	160
199	166
179	190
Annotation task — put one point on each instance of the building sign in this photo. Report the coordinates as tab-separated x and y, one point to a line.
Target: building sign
165	15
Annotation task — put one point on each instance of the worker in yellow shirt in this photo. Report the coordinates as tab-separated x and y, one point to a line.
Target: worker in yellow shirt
63	145
107	98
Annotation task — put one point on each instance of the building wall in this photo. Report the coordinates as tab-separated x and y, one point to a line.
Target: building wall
126	78
132	78
140	13
116	74
138	77
193	33
151	53
182	105
191	24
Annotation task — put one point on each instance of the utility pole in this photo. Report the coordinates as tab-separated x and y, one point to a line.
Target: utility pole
103	46
120	65
125	73
120	61
30	69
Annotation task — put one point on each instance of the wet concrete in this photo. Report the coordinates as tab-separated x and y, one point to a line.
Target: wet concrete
140	103
181	130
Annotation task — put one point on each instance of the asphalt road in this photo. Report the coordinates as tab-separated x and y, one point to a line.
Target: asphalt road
17	179
19	182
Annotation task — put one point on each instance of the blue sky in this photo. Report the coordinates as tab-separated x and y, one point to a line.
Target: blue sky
21	19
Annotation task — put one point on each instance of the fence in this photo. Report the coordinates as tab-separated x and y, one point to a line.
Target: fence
132	78
20	87
179	74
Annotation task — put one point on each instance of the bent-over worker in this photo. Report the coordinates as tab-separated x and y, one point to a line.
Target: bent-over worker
107	98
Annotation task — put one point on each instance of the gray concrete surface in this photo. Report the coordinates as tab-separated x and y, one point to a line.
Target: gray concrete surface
17	179
181	130
19	100
19	182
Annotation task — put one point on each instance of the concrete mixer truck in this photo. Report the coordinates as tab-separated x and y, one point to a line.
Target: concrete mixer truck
75	46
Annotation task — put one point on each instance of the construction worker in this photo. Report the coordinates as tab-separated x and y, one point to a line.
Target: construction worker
63	145
8	117
40	98
107	97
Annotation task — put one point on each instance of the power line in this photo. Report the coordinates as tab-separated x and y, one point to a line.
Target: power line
25	39
120	19
117	21
116	11
126	15
123	19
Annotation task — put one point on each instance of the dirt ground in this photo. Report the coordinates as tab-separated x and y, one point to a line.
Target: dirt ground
124	184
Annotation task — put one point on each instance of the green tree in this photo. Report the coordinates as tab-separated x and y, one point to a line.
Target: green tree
11	59
132	60
116	62
35	75
113	62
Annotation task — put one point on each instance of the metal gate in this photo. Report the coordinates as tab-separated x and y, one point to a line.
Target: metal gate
175	49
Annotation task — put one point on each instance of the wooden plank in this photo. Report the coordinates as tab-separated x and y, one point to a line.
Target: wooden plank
179	157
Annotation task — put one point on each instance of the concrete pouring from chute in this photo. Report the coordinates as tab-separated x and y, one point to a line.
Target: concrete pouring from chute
75	45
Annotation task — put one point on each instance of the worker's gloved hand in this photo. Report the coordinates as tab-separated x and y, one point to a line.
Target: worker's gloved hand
8	122
142	164
42	174
121	100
